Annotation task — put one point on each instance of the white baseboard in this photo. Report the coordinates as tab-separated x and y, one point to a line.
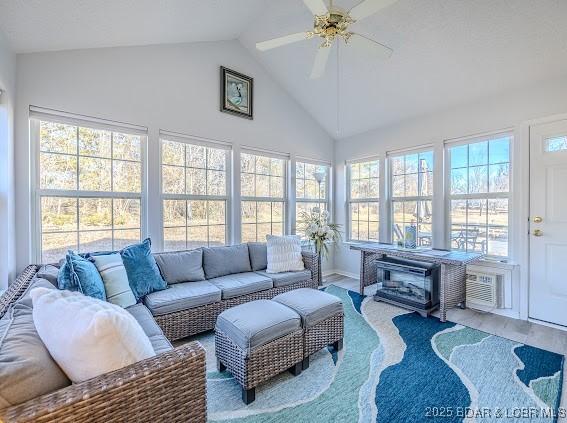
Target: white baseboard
341	272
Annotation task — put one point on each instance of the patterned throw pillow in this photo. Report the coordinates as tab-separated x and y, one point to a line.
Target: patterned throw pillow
115	279
284	254
79	274
142	270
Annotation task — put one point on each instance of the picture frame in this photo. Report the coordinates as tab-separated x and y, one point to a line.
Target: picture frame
236	93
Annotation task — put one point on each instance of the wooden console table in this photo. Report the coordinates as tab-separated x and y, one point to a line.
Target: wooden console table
453	268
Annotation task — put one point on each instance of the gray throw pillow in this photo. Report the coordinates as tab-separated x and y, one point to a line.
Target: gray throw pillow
181	266
26	369
25	298
258	255
222	261
49	273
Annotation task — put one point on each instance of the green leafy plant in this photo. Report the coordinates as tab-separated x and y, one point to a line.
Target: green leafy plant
318	230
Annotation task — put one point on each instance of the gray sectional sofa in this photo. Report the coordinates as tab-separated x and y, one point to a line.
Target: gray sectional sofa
169	387
204	282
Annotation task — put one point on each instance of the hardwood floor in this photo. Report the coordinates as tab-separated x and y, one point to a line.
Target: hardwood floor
517	330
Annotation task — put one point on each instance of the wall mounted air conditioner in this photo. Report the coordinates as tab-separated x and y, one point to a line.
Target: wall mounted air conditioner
488	287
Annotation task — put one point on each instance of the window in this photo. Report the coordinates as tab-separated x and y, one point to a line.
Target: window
89	188
311	189
555	144
194	194
479	194
262	181
411	178
363	200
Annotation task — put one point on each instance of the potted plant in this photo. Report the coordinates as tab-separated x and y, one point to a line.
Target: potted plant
319	232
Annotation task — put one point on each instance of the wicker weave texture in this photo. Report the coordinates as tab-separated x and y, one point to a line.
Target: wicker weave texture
263	362
16	288
167	388
324	333
452	289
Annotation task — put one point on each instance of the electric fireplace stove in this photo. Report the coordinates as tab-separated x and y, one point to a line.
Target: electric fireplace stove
409	284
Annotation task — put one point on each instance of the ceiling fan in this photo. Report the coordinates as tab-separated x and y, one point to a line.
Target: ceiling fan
332	23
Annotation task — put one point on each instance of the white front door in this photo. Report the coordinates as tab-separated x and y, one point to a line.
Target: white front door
548	222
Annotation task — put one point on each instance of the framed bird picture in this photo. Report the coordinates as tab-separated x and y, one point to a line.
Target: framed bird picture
237	93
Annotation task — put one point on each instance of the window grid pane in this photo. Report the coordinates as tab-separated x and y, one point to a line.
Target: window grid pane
198	175
364	206
87	224
480	188
77	159
262	181
412	192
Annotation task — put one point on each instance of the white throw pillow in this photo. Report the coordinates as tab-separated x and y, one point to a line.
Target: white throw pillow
87	337
284	254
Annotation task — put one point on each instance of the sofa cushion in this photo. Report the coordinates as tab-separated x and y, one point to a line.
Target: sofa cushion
241	284
287	278
251	325
311	304
143	316
181	266
27	370
91	337
143	274
182	296
284	254
115	279
222	261
258	255
80	274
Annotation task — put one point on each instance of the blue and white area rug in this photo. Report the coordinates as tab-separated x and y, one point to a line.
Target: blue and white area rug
399	367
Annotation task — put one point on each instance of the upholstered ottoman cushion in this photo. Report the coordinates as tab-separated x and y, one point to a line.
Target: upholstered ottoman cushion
256	323
312	305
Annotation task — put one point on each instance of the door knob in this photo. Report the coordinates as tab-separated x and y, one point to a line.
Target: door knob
538	232
537	219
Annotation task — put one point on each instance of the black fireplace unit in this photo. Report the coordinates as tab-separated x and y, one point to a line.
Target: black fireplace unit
407	283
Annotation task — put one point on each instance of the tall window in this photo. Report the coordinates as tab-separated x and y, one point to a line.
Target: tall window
311	189
412	192
194	194
263	191
363	200
90	188
479	194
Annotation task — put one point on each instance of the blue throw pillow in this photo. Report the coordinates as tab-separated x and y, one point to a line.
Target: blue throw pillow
142	270
79	274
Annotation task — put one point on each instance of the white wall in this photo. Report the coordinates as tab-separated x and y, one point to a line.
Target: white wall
7	102
511	110
171	87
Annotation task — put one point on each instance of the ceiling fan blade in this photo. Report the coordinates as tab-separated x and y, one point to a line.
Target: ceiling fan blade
317	7
369	47
281	41
320	63
368	7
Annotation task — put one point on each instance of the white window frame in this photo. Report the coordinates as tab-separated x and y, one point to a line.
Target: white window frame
326	200
416	198
227	198
481	196
284	199
350	200
36	116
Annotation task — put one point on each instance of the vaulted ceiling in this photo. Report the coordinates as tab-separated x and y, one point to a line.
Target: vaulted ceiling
446	52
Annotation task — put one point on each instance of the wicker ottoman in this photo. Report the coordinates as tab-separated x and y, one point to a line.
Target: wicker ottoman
322	318
256	341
